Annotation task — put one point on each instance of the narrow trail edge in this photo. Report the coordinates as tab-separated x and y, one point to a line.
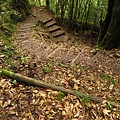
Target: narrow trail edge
40	83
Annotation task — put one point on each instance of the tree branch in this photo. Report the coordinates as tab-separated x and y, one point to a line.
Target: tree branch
32	81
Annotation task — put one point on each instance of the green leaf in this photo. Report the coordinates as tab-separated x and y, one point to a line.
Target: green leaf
86	100
47	68
109	105
60	96
14	82
108	77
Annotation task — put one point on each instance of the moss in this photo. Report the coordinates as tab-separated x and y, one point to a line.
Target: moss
12	11
110	36
7	73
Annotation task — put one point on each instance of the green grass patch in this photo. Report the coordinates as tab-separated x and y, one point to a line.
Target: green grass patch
24	59
47	68
60	96
85	100
12	64
108	77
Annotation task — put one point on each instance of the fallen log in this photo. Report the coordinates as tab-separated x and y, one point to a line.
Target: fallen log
39	83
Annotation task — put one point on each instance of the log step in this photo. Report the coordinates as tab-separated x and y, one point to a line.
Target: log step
47	20
58	33
62	38
23	38
50	23
24	30
54	28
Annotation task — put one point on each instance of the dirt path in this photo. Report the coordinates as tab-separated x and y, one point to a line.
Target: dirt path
40	42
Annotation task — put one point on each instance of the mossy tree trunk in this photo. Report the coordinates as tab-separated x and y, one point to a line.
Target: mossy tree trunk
109	36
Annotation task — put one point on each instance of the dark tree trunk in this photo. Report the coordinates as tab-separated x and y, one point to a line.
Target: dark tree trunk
63	7
71	12
109	36
48	3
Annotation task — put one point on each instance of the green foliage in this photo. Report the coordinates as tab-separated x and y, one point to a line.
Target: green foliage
109	105
6	24
83	10
98	48
47	68
85	100
61	64
37	2
60	96
108	77
8	51
12	64
75	67
12	11
14	82
24	59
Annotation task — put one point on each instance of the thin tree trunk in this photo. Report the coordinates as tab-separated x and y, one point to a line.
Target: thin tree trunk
48	3
71	11
76	11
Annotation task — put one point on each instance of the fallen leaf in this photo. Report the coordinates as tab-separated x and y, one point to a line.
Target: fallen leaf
106	112
63	113
1	56
111	87
76	86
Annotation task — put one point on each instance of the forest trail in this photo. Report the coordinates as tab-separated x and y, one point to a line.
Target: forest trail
41	36
66	59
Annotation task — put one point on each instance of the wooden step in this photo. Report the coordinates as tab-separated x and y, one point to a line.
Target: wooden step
47	20
22	38
58	33
24	30
24	34
61	38
51	23
54	28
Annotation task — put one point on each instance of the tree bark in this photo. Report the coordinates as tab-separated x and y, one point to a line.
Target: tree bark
48	3
109	36
71	12
40	83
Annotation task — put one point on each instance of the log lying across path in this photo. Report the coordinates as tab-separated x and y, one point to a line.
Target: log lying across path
32	81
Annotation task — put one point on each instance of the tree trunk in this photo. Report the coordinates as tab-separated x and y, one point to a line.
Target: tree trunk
71	12
63	5
76	11
109	36
48	3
